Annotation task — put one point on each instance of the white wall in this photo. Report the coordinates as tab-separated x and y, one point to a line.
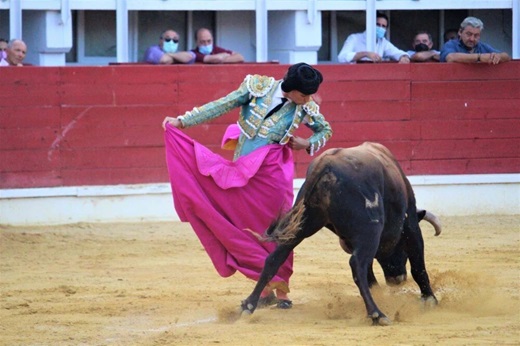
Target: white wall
443	195
497	28
48	36
236	32
294	37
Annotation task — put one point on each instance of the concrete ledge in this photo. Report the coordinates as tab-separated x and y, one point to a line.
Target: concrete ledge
448	195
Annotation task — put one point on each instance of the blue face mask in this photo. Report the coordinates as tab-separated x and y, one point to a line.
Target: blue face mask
206	49
170	47
380	32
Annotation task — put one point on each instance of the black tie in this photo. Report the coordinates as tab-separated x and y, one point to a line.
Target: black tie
277	108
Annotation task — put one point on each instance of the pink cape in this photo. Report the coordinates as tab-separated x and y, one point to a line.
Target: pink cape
222	198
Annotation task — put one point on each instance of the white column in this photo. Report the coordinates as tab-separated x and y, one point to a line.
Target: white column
516	29
261	31
15	20
235	31
190	31
333	40
122	31
371	25
294	38
51	37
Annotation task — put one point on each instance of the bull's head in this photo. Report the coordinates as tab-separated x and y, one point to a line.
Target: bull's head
394	267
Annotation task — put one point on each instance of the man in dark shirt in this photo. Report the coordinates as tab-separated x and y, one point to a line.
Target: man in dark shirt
469	49
209	53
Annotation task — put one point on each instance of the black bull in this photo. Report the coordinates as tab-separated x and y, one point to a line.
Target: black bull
362	195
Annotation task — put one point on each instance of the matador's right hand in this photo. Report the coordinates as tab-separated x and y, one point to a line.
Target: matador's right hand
173	121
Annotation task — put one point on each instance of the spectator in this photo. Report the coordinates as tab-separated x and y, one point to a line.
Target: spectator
16	51
354	48
450	34
422	48
3	48
469	49
166	51
221	199
209	53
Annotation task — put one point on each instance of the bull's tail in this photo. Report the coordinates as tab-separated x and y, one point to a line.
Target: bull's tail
286	227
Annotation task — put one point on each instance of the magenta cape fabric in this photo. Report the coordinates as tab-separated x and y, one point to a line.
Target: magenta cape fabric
221	198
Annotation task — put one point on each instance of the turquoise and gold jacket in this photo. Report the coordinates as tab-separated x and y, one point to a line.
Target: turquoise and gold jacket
254	96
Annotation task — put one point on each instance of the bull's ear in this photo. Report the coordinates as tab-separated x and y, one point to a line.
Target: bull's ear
420	214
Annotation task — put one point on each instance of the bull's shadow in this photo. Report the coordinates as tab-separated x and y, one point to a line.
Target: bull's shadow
362	195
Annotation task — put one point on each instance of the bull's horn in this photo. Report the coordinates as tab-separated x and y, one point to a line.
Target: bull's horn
435	222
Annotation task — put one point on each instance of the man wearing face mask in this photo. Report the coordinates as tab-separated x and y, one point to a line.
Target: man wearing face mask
469	49
422	48
208	53
166	51
355	46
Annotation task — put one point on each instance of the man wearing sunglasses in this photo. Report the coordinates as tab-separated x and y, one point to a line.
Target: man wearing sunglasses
166	51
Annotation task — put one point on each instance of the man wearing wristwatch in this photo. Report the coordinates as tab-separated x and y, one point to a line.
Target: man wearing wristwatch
468	48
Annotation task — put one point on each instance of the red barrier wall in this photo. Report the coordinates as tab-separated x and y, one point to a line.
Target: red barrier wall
68	126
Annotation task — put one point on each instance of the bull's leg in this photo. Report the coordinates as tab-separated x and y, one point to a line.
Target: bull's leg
415	250
372	281
272	263
360	262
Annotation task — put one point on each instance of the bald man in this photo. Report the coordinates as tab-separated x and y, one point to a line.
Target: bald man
209	53
166	52
16	51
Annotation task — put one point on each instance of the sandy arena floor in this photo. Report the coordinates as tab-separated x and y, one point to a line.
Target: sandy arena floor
152	284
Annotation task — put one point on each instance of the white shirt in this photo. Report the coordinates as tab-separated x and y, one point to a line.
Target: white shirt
4	63
277	98
358	43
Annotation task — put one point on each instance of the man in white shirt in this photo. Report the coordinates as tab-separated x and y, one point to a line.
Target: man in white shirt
355	46
423	48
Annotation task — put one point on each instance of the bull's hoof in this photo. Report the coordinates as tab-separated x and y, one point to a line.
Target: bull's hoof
267	301
245	313
429	301
380	319
247	308
395	280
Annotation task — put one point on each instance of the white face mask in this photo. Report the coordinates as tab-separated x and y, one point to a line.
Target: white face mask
170	46
206	49
380	32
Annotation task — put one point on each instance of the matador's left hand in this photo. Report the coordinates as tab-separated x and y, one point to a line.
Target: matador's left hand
298	143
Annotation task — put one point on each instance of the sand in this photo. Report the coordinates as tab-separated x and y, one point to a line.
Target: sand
153	284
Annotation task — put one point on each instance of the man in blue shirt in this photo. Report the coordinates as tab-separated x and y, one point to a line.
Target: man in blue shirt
469	49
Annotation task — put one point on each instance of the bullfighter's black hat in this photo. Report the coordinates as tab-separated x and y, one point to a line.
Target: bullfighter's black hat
302	77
